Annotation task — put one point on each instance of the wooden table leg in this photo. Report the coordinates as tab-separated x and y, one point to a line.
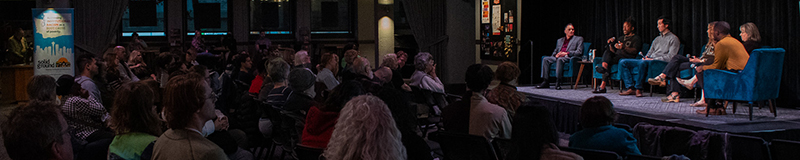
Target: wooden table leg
580	74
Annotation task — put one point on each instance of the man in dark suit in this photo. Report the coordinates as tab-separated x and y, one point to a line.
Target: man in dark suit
566	47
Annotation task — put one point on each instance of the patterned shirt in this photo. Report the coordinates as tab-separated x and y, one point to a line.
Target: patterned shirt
277	96
85	116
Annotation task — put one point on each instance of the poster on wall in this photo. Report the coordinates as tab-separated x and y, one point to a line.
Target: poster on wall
485	11
53	41
496	21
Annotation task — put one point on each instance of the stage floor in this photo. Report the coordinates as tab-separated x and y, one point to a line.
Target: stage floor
679	113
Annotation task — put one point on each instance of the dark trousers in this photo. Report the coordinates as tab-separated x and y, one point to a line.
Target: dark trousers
673	70
546	61
612	58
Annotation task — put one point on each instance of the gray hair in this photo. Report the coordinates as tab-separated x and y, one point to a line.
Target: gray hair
390	60
751	29
421	60
278	70
361	66
42	88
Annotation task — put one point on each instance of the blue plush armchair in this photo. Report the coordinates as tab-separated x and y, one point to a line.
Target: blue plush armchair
656	67
614	68
569	67
760	80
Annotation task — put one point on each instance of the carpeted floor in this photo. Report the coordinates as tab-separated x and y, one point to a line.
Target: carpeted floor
652	107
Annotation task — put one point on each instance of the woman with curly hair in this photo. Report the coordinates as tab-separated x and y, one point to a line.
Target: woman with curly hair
365	130
134	120
506	95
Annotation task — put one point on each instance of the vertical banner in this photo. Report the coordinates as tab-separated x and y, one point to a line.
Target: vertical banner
485	11
53	41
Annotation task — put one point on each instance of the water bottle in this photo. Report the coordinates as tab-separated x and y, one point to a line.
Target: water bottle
591	54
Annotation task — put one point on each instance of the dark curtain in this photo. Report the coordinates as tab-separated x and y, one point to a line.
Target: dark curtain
427	21
596	21
97	22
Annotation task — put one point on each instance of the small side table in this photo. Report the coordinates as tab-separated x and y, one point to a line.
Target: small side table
580	72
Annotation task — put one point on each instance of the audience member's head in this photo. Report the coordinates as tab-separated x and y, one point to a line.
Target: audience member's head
188	102
301	80
350	56
191	54
37	131
341	94
533	128
663	24
749	32
135	35
629	26
384	74
365	130
721	30
301	57
87	65
121	53
597	111
169	62
478	77
135	54
361	66
42	88
423	61
112	63
507	72
278	70
710	32
402	57
64	85
569	30
390	60
200	69
244	62
134	110
329	61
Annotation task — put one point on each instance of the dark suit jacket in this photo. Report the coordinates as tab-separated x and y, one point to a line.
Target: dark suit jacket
575	46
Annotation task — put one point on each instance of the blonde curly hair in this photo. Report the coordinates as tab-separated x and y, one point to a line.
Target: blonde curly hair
365	131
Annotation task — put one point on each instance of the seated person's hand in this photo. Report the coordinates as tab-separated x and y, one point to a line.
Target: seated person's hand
611	40
647	58
699	68
618	45
222	121
405	87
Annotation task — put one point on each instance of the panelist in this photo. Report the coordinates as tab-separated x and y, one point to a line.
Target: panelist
625	46
664	47
730	55
566	47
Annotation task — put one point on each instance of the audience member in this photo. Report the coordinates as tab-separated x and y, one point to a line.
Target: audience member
596	117
729	55
664	47
566	47
190	57
18	48
260	71
425	76
302	60
475	115
125	73
365	130
37	131
535	136
405	118
328	70
678	63
278	72
136	44
393	62
188	104
86	116
301	81
134	121
137	65
750	37
42	88
87	68
245	65
349	57
64	85
506	95
628	46
198	42
364	75
166	63
384	76
263	43
321	119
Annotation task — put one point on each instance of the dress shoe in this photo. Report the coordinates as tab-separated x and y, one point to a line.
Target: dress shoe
600	69
543	85
558	85
627	92
598	90
639	93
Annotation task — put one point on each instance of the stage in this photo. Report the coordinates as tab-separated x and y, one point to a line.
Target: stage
564	105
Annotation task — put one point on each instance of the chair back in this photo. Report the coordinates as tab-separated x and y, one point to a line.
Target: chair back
586	46
680	51
765	66
307	153
748	148
593	154
459	146
645	50
784	149
502	147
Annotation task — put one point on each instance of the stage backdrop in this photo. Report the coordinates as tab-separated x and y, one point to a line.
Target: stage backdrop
597	21
53	42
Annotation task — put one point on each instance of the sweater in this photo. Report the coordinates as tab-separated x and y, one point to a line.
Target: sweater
729	54
318	128
186	144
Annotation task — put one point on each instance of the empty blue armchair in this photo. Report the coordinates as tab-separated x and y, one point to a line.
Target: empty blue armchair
569	67
760	80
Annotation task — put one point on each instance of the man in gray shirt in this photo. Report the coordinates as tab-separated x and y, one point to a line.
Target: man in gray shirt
663	48
87	68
